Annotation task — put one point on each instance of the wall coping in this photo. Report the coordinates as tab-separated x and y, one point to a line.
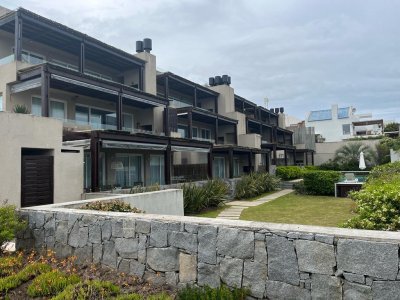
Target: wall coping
370	235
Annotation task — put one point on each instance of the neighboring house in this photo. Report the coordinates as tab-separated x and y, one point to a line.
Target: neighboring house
136	126
337	124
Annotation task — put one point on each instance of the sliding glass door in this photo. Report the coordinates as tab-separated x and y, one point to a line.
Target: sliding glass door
128	170
157	173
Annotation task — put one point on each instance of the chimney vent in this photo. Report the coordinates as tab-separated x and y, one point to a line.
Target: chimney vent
276	110
147	45
139	46
225	79
211	81
281	110
218	80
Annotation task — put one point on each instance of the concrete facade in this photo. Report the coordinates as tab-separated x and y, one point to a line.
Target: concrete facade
275	261
20	131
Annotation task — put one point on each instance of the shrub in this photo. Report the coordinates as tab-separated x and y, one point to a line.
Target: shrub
88	290
212	194
10	223
51	283
135	296
114	205
378	202
13	281
289	172
320	182
255	184
144	189
9	264
299	188
207	293
20	109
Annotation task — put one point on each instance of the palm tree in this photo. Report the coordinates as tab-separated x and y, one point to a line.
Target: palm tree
349	154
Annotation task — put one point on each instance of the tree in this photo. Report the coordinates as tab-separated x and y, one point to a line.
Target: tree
393	126
348	155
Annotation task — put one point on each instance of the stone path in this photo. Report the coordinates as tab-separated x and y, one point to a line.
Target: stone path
233	212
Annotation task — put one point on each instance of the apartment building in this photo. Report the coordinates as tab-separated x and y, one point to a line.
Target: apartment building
137	126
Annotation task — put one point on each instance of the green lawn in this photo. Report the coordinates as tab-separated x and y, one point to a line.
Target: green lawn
302	209
211	213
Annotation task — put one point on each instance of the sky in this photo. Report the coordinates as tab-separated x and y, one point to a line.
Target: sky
299	54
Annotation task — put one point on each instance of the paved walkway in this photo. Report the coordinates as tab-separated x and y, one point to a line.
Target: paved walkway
233	212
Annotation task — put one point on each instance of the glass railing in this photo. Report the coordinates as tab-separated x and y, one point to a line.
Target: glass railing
203	140
7	59
177	103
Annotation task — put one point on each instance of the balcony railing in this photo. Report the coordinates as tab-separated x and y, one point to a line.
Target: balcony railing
7	59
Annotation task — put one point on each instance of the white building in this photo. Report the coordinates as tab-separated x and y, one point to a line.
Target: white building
337	124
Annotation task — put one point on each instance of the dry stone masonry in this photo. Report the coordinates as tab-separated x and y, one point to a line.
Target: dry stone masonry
275	261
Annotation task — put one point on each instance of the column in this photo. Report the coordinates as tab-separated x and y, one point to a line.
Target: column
166	89
312	158
45	78
285	151
235	135
274	154
294	157
119	112
216	131
230	161
141	78
250	161
82	57
190	124
94	154
18	37
216	104
195	97
305	158
168	164
210	164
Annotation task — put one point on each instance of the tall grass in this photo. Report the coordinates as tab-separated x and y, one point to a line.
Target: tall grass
255	184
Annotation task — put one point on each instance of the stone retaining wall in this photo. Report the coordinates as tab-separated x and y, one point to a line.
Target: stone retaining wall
276	261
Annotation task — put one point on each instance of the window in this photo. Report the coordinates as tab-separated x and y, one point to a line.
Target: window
343	113
82	115
195	132
183	130
346	129
157	169
1	102
127	122
128	170
320	115
236	167
57	108
219	167
205	134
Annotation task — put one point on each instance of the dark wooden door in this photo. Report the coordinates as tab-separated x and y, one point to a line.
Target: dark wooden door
37	180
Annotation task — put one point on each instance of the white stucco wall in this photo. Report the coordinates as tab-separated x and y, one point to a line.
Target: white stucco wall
19	131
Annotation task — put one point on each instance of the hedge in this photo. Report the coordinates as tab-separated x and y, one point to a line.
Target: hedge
289	172
321	182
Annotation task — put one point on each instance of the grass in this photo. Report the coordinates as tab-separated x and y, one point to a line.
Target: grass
211	213
258	197
303	209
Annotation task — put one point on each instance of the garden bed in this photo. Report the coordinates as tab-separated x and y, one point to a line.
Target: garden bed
13	267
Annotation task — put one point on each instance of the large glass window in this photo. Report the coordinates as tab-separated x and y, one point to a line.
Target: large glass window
82	115
346	129
128	170
57	110
195	132
157	169
236	167
183	130
36	109
102	119
219	167
205	134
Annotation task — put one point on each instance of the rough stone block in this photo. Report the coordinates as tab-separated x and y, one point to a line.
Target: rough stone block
325	287
109	257
187	268
159	234
175	226
208	275
386	290
50	227
127	248
280	290
171	278
83	236
142	256
282	260
37	219
327	239
61	233
73	239
254	277
155	279
207	244
143	226
354	277
94	234
368	258
191	228
306	236
315	257
106	230
260	252
231	270
117	229
38	235
128	228
62	250
124	266
352	291
137	268
163	259
235	243
84	255
183	240
304	276
97	253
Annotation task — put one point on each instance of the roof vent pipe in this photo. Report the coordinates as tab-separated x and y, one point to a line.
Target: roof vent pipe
281	110
218	80
211	81
277	110
225	79
147	45
139	46
229	80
